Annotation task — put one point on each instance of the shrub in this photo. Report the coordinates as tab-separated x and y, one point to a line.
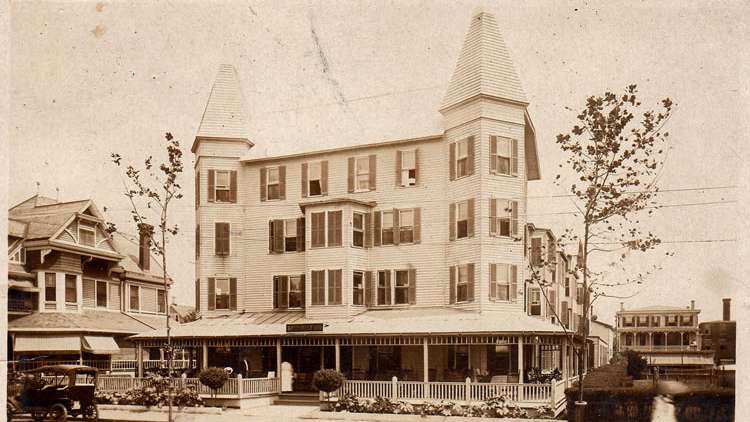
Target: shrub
213	378
710	404
328	380
187	397
636	364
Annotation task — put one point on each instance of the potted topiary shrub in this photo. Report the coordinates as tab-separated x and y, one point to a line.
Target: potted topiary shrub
327	381
213	378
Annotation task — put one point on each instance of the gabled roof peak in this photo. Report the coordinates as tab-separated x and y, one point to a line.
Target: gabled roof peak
484	66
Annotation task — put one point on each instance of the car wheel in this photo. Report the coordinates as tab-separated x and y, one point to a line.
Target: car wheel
58	412
90	412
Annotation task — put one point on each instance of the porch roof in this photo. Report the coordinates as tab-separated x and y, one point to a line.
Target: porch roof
420	321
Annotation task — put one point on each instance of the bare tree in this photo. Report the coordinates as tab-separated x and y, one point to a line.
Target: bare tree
151	192
616	152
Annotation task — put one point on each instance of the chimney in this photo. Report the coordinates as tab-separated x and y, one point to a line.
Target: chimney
622	306
692	305
145	232
727	314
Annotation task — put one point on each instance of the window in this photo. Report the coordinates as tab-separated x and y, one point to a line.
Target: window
296	288
462	220
579	294
502	155
161	297
504	217
50	287
535	301
406	226
314	178
222	187
384	287
318	287
290	235
401	294
387	227
101	294
273	183
502	277
567	286
318	229
536	252
358	289
334	287
458	357
358	229
289	291
334	228
197	240
462	158
222	294
462	284
71	291
221	239
86	235
362	175
408	175
135	295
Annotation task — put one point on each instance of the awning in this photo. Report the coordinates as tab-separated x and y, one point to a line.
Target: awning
100	345
23	285
25	343
691	359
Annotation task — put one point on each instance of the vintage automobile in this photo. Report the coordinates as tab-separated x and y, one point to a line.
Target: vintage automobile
54	393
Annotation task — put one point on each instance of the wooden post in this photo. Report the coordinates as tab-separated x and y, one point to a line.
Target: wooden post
338	354
139	359
322	357
278	358
204	357
394	388
565	369
520	360
426	367
239	386
467	394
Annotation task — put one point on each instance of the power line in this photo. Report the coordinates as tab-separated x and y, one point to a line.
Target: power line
642	191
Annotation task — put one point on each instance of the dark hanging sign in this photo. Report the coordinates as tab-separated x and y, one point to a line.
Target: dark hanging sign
303	328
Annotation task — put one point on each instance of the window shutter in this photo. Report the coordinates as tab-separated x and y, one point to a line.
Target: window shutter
270	236
324	177
514	157
552	295
417	225
564	313
233	294
493	217
513	282
197	189
350	175
300	234
263	184
278	236
198	295
304	180
368	230
416	165
369	291
211	293
282	182
452	284
284	292
378	234
514	218
197	240
470	221
452	221
470	294
303	298
396	229
211	185
398	168
373	171
493	281
221	239
493	154
452	160
331	237
388	300
233	186
412	286
471	154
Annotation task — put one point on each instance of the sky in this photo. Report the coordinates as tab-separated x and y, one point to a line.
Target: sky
89	79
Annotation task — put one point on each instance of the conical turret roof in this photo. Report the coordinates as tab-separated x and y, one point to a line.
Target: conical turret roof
224	116
484	66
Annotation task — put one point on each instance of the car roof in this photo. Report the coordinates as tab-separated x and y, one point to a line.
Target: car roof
63	369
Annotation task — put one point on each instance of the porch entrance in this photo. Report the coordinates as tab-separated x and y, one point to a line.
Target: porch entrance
305	361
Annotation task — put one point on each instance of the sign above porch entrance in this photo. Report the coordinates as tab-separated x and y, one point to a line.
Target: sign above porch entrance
302	328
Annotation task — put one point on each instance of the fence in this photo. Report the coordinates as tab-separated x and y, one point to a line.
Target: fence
234	387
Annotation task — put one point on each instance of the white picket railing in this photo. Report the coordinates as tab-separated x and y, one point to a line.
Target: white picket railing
234	387
120	365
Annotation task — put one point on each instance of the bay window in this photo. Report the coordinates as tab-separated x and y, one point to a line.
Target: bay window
358	229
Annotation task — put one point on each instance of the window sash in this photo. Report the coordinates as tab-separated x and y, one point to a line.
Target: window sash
383	288
50	287
318	229
314	171
102	293
135	295
358	288
387	228
334	287
86	236
71	289
318	285
401	288
362	173
290	235
222	294
161	297
358	229
295	292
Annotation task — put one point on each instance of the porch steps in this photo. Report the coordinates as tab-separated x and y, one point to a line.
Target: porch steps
298	399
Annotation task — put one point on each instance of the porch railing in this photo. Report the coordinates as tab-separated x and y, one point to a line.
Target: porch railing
234	387
117	365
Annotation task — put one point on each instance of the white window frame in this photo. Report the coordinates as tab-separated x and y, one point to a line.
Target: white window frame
289	292
406	181
286	233
89	229
384	229
503	211
313	291
378	288
130	296
502	281
361	287
311	179
273	183
362	176
462	157
218	186
462	280
355	229
459	205
96	294
395	286
166	301
54	284
216	295
499	155
324	231
403	228
65	286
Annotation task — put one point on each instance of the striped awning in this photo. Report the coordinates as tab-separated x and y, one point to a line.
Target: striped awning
27	343
100	345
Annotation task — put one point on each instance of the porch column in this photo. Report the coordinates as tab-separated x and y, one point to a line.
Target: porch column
139	359
204	355
322	357
426	366
650	341
537	356
520	360
278	358
338	354
564	353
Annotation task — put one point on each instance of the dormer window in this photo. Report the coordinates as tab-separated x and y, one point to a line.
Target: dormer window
86	235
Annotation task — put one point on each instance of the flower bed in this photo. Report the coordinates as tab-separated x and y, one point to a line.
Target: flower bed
494	407
153	392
